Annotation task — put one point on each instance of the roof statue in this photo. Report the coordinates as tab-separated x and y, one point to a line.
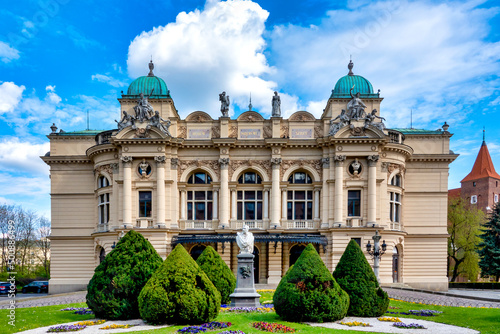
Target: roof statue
336	126
156	121
276	105
224	104
143	110
370	120
127	120
355	107
245	240
350	66
151	67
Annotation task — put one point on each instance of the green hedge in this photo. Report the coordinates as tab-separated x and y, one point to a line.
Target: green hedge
179	292
308	292
113	291
356	277
218	272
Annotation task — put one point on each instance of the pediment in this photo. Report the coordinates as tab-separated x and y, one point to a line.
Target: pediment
302	116
141	132
250	116
353	131
199	117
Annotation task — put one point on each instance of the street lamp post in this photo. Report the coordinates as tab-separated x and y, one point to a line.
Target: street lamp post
376	253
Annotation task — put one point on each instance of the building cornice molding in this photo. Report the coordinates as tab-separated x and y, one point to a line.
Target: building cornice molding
66	159
433	157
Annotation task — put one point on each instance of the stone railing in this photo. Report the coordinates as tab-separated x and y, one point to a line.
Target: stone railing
299	224
197	225
395	226
252	224
103	227
144	223
354	222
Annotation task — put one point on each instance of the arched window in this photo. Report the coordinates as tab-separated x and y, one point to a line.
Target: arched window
102	255
396	180
102	182
249	199
300	197
196	251
295	252
199	197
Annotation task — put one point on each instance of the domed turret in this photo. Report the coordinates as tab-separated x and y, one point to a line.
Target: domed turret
360	84
147	85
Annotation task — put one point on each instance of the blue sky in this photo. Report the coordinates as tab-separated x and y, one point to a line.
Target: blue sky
60	58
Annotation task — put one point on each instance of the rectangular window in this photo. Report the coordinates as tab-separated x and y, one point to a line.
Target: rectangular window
358	241
395	207
300	205
354	203
496	198
473	199
249	205
145	199
103	209
199	205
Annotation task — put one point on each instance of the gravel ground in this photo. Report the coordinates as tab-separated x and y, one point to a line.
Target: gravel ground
139	326
386	326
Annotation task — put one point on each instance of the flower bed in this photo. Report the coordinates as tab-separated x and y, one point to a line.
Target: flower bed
208	326
408	326
90	322
355	323
420	313
264	309
232	332
272	327
79	310
65	328
115	326
393	319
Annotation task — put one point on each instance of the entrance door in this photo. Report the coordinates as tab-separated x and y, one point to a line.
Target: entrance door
256	265
395	265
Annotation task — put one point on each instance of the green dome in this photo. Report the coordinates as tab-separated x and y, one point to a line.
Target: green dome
148	84
360	84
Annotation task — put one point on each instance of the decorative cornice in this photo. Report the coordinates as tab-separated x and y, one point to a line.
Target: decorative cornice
66	160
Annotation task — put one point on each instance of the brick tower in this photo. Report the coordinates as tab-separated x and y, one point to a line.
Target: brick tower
481	186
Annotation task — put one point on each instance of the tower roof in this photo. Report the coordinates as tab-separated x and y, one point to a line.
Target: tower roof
483	167
358	83
152	86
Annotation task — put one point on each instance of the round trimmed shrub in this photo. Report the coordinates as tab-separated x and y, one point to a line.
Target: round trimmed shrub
218	272
355	275
179	292
308	292
113	291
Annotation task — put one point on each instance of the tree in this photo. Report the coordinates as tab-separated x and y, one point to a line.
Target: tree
218	272
489	248
464	227
113	291
43	244
355	276
308	292
179	292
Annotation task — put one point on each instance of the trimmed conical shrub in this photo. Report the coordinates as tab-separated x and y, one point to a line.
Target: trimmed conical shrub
179	292
113	291
308	292
218	272
356	277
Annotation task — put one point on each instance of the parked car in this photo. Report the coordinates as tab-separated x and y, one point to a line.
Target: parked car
36	286
5	288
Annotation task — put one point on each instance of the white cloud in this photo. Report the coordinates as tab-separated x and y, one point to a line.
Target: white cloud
8	53
203	53
420	54
23	156
10	95
109	80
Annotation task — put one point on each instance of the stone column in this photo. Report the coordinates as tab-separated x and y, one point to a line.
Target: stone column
316	203
372	189
266	204
274	265
275	192
224	192
283	205
234	209
174	193
127	191
160	190
339	188
325	193
216	205
183	204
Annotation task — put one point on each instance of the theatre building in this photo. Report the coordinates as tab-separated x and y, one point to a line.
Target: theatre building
293	181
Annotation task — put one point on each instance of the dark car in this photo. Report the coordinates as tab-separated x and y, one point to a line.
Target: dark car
5	288
36	286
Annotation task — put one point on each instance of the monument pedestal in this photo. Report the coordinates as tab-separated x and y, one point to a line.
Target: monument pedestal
245	294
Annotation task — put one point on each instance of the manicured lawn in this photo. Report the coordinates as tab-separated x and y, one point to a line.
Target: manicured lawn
481	319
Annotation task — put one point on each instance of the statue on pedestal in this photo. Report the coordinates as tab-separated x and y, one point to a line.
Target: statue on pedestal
355	107
127	120
245	240
224	104
276	105
143	110
156	120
